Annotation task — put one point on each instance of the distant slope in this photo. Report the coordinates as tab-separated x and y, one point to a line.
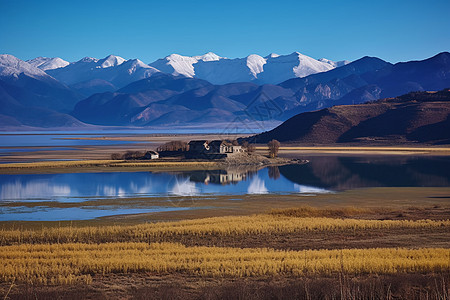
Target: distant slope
15	114
414	117
131	104
165	99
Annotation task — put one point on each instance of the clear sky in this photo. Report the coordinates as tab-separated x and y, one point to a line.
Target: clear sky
394	30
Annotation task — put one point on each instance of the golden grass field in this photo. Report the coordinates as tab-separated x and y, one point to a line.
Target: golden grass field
218	226
67	255
74	262
220	249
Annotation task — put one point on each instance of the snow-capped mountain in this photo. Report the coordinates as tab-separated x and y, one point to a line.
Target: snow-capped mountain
12	66
176	64
48	63
279	68
335	63
110	61
97	93
271	69
90	74
226	71
113	69
31	97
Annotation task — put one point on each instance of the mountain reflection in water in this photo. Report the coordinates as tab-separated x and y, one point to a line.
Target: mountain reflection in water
321	175
343	173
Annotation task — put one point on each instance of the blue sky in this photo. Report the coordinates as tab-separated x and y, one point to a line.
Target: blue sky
395	30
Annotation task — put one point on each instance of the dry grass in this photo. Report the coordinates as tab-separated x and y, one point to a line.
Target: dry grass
309	211
100	163
184	287
58	164
75	262
103	166
218	226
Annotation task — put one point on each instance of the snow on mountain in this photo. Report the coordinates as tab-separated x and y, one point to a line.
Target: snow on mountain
256	64
12	66
48	63
110	61
113	69
272	55
176	64
210	56
230	70
129	71
335	63
28	86
271	69
284	67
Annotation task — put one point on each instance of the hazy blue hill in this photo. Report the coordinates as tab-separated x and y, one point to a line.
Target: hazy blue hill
93	86
14	113
165	81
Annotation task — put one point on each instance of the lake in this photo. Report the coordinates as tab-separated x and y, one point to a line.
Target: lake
82	196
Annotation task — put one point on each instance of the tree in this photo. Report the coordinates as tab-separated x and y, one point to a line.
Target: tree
250	147
173	146
273	145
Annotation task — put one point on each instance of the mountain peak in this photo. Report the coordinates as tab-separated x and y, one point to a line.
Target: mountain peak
175	56
441	56
334	63
88	59
48	63
137	62
272	55
210	56
111	61
12	66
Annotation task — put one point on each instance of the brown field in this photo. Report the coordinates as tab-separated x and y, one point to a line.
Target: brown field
357	150
103	166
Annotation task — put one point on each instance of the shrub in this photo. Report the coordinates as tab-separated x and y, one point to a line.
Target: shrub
173	146
116	156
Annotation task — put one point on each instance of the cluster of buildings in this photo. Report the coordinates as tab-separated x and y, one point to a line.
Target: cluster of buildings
212	149
201	149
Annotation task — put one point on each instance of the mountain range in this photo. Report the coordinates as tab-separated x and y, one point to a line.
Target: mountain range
207	89
272	69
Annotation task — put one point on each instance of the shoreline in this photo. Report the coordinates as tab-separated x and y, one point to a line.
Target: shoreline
254	160
81	166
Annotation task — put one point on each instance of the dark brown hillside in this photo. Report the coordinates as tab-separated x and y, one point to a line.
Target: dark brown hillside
415	117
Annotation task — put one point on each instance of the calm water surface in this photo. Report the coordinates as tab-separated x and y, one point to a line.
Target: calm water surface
329	174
